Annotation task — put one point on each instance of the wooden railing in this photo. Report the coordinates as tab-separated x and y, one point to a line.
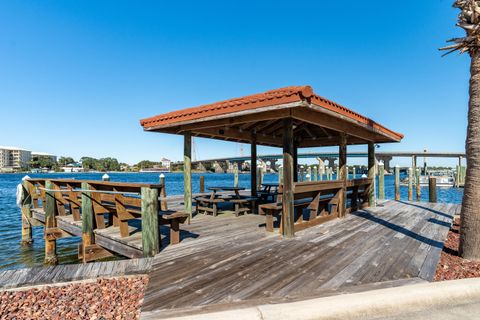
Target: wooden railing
97	205
322	201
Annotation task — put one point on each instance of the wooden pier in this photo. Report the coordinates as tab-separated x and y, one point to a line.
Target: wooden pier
234	263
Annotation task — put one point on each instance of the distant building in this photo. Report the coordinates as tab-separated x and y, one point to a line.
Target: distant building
165	163
73	167
13	158
36	154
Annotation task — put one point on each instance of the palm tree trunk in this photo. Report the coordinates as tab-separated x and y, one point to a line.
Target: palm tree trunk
470	216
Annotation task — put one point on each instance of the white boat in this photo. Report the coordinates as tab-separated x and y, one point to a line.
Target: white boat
442	181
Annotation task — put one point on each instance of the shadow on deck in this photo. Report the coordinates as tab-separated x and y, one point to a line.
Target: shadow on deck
234	262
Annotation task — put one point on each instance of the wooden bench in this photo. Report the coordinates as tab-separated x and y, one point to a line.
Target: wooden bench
321	198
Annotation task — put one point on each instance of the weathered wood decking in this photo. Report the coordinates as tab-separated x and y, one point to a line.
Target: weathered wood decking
233	261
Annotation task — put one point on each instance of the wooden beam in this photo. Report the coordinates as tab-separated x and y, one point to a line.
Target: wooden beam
327	141
253	165
233	133
328	121
371	173
230	120
187	173
342	163
288	218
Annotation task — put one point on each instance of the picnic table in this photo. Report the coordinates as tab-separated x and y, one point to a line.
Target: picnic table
210	204
266	193
225	188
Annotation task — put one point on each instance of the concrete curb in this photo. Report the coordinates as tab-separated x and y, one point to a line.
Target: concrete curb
375	303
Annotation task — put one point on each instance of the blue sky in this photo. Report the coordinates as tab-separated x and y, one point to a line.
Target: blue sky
76	76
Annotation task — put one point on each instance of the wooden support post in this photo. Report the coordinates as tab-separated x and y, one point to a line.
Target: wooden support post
187	173
457	177
288	218
314	173
202	184
280	174
50	209
163	193
381	181
235	175
397	182
348	178
150	233
253	165
337	175
410	184
87	219
342	174
27	238
300	178
354	173
371	173
295	161
432	189
417	184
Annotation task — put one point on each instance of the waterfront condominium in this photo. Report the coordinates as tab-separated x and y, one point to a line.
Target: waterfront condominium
13	158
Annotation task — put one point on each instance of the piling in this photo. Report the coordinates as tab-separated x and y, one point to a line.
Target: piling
259	176
457	177
432	189
50	208
27	238
354	173
308	176
315	173
202	184
150	234
346	170
106	177
397	182
381	180
337	175
163	193
235	175
410	184
301	174
417	184
87	218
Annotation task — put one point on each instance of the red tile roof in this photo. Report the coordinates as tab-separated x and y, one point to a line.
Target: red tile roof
266	99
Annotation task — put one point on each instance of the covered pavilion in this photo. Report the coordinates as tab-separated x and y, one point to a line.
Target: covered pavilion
290	118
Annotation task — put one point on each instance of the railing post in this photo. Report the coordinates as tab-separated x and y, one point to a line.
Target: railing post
432	189
381	181
27	238
417	184
50	209
314	174
202	184
235	175
397	183
87	218
150	233
308	176
163	193
410	184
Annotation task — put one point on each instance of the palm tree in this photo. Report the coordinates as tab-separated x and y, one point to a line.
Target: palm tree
469	20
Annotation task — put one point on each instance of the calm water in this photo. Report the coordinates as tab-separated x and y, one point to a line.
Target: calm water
12	255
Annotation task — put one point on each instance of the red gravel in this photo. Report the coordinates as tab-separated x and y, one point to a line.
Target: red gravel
451	266
113	298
